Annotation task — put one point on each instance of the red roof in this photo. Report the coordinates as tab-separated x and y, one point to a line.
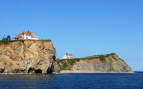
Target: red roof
19	36
68	54
28	34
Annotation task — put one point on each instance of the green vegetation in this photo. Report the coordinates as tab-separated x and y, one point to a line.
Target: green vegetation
101	57
66	64
9	41
6	41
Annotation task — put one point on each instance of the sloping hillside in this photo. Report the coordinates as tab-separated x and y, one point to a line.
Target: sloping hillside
109	63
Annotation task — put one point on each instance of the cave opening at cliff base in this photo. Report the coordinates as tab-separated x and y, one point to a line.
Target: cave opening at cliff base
31	70
1	70
38	71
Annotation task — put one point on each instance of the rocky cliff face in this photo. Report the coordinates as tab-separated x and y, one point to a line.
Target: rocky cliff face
109	63
27	56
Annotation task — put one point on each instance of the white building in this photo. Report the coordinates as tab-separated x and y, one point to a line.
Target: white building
26	36
68	56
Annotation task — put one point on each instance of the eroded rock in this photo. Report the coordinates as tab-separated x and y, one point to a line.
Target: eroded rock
27	56
109	63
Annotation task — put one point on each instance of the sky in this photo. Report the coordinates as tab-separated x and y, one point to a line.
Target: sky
80	27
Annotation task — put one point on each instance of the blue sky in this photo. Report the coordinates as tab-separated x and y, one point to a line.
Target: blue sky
81	27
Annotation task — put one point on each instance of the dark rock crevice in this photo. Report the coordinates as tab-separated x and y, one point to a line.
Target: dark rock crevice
2	70
31	70
38	71
51	68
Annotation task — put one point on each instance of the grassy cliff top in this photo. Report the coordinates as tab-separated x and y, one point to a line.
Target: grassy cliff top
10	41
66	64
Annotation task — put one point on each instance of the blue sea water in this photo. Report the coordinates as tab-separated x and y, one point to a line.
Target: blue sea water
72	81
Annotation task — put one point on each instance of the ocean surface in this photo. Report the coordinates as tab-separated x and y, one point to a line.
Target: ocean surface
72	81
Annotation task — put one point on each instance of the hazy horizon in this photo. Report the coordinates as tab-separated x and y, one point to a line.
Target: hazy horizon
80	27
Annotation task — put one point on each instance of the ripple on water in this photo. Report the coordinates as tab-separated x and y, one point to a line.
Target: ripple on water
72	81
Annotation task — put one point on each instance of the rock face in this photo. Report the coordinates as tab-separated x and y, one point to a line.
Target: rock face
27	56
109	63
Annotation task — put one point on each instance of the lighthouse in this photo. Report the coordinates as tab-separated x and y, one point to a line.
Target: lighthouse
68	56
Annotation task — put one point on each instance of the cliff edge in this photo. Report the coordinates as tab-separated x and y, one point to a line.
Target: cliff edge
27	56
109	63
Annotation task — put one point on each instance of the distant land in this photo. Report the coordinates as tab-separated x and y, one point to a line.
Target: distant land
109	63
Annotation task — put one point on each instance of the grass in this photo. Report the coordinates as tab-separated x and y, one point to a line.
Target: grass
9	41
66	64
6	41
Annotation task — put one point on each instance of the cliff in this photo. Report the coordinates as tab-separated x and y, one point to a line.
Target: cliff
109	63
27	56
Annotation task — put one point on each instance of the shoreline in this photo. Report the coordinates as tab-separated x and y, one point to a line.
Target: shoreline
97	73
69	73
92	72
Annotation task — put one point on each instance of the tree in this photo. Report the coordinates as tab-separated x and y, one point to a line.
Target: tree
8	38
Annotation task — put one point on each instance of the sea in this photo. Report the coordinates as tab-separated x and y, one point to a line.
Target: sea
73	81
